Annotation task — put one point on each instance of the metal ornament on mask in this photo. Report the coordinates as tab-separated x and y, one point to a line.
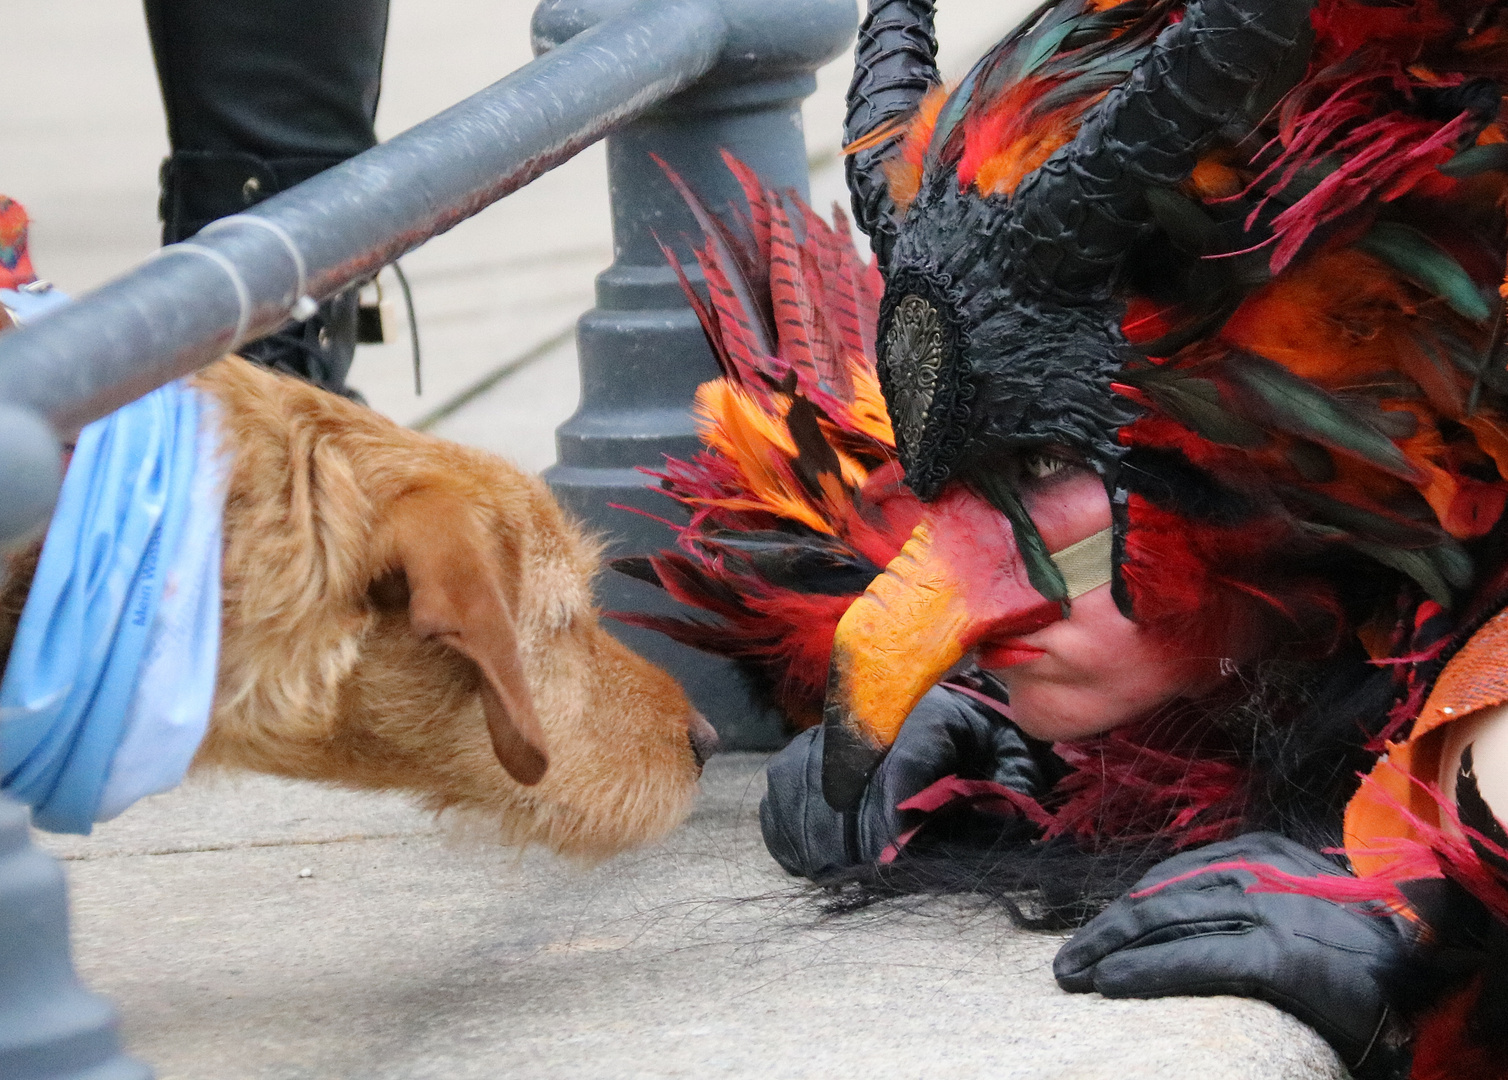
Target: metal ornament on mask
918	348
916	341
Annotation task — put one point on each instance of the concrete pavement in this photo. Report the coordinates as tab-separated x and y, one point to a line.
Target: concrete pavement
403	954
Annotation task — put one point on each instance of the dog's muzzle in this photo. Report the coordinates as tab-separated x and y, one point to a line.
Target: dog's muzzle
704	740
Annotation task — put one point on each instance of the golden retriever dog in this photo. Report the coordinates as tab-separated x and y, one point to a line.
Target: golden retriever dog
402	613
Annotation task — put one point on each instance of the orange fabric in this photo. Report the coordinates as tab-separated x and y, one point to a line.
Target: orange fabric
1475	679
15	263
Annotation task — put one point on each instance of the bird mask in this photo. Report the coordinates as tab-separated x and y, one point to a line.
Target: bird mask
1236	257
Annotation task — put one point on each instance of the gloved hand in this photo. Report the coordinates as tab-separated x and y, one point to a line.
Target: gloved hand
1313	958
946	733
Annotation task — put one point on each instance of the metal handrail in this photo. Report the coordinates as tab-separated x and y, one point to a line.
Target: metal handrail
244	277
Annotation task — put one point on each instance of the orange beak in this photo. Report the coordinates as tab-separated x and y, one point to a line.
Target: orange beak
958	582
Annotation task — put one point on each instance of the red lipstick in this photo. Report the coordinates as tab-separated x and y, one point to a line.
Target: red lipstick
1007	653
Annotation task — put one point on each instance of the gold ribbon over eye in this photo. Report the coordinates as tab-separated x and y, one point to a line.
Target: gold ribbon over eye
1087	564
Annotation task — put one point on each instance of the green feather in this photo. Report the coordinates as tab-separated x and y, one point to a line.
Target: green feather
1196	404
1045	46
1475	160
1388	384
954	108
1184	220
1427	265
1323	511
1041	571
1011	62
1095	27
1300	407
1440	571
1471	360
1394	423
1311	462
1305	180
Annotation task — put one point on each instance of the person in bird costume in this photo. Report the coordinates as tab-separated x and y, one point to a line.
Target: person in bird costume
1184	512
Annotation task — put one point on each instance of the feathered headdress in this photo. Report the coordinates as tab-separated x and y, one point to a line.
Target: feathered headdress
1242	258
798	500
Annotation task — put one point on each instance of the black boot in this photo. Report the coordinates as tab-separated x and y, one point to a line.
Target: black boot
260	96
319	349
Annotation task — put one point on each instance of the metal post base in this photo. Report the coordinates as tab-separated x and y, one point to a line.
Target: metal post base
642	352
51	1028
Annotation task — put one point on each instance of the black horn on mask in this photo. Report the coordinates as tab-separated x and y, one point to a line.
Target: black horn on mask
895	64
1000	326
1073	220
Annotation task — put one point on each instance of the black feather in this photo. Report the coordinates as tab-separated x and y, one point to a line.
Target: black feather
1476	814
815	456
806	564
638	567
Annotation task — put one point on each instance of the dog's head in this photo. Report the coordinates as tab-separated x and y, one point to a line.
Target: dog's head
405	613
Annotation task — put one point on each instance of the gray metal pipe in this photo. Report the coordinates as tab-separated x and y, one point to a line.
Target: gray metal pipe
245	276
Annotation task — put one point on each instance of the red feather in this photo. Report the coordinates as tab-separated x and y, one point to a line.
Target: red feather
1124	788
759	201
1383	160
15	261
738	338
806	456
795	321
704	314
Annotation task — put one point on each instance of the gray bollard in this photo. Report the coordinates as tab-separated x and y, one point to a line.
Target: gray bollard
51	1028
642	352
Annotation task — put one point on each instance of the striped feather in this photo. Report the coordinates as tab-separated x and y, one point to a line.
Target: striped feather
740	300
704	315
759	201
799	453
791	301
737	335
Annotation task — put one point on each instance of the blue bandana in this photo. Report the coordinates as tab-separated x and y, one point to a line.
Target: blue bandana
126	577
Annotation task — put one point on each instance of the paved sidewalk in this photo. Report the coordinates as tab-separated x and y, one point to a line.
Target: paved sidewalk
405	956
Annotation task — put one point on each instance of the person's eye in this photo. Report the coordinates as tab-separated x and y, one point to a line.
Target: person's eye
1039	465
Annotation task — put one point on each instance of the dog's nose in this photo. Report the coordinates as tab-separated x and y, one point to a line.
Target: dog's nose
704	741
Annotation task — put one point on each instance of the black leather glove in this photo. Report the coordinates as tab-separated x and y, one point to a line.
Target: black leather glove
946	733
1318	960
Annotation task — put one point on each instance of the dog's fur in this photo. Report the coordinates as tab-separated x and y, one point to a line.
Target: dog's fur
391	599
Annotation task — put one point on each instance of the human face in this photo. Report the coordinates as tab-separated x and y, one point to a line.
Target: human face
1096	669
960	588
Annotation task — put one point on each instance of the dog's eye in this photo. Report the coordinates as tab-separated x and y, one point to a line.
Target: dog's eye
389	592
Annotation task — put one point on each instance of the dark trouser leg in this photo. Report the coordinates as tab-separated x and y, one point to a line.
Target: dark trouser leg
261	94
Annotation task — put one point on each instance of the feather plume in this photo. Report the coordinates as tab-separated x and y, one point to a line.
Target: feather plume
797	501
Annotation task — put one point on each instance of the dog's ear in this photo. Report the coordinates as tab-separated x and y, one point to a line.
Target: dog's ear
456	595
